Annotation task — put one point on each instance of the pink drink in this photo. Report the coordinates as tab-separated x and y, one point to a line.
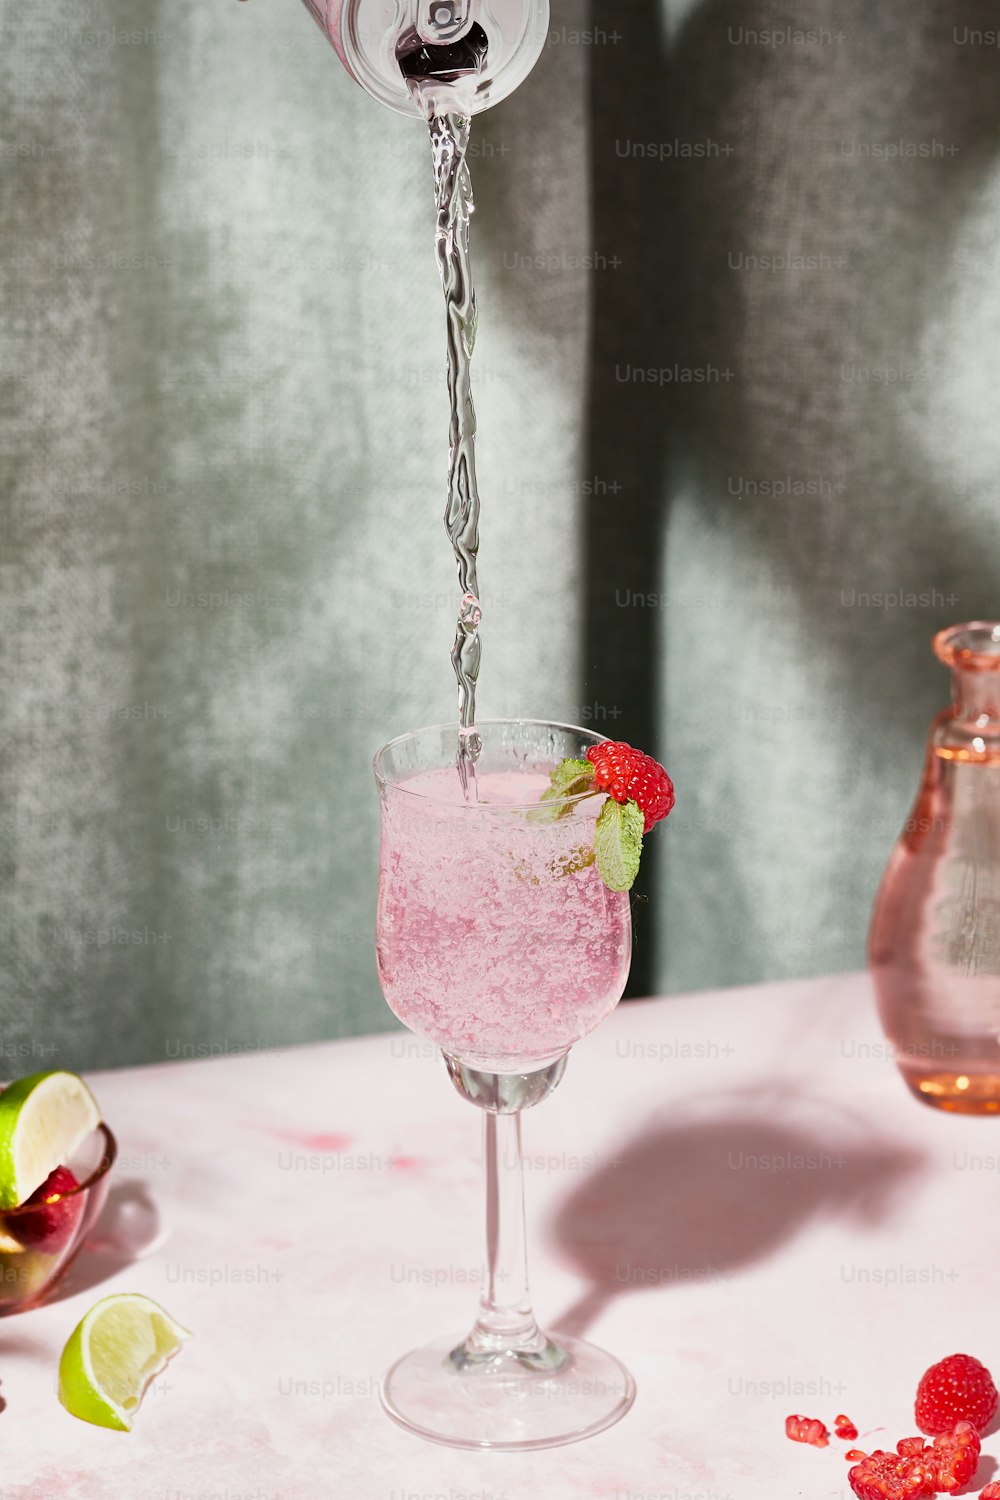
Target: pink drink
496	940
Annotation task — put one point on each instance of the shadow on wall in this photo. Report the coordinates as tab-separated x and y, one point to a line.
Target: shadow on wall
721	144
628	436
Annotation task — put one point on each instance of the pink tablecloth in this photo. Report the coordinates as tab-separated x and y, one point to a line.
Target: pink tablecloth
732	1191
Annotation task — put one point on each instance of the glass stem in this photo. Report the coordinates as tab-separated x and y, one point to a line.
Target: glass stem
505	1321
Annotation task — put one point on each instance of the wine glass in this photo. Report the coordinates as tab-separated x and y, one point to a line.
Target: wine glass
499	942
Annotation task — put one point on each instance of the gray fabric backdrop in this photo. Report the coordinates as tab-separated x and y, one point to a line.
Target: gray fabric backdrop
223	579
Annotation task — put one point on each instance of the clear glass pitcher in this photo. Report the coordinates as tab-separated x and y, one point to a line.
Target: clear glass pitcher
934	946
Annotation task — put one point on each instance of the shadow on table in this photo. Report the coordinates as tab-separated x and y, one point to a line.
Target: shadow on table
695	1199
129	1225
987	1469
12	1342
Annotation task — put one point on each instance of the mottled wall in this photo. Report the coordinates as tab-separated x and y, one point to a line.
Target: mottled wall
224	574
223	578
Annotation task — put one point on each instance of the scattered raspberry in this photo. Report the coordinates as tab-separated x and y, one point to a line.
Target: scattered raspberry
991	1492
956	1389
629	775
854	1455
51	1225
844	1427
807	1430
955	1457
889	1476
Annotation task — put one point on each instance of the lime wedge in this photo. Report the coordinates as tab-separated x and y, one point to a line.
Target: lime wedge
43	1121
112	1355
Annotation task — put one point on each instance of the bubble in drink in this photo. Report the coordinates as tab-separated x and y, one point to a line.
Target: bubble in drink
497	938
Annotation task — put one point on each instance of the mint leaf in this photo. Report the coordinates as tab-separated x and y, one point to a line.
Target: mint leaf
618	843
572	789
565	773
570	778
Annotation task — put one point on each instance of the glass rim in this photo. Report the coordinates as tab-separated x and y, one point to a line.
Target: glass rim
103	1167
385	783
946	648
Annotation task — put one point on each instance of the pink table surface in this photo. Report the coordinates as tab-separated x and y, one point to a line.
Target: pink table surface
732	1191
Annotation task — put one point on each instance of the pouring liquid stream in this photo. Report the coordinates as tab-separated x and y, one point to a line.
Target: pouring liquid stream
449	135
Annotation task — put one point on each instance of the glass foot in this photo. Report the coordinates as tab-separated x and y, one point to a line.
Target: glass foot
504	1402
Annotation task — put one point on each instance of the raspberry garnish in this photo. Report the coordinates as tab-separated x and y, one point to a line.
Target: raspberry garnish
991	1492
640	794
955	1457
844	1427
956	1389
630	776
891	1476
807	1430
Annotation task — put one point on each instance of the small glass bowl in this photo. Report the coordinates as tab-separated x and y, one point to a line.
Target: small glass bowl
39	1241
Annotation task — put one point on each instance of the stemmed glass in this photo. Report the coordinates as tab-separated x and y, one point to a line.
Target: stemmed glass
499	942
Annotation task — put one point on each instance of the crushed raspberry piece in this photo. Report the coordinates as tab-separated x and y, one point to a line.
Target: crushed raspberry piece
853	1455
807	1430
844	1427
955	1457
956	1389
630	776
991	1492
890	1476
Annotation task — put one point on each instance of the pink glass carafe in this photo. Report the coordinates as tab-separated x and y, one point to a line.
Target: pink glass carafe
934	946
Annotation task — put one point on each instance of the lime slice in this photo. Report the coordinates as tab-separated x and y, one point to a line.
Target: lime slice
43	1121
112	1355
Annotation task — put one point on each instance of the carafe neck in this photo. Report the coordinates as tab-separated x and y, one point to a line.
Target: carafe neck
972	652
